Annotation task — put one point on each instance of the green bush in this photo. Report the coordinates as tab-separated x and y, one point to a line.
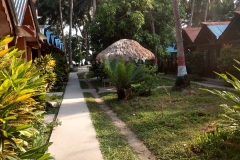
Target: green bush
20	81
226	60
195	64
149	82
61	69
46	64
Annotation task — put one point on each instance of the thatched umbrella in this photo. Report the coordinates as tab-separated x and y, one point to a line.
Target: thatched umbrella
126	49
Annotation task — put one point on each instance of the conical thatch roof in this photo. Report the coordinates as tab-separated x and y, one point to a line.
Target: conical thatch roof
127	49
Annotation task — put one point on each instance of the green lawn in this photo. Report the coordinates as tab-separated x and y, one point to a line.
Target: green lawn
170	123
166	82
113	145
81	75
84	85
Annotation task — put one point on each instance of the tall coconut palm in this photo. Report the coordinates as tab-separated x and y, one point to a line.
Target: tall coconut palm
206	11
191	16
238	8
94	8
182	72
61	21
153	34
70	35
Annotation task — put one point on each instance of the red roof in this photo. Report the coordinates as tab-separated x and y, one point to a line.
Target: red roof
215	23
192	32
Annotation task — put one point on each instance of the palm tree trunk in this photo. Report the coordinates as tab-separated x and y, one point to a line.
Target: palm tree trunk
206	11
94	8
192	11
182	72
153	33
61	21
78	45
70	36
238	5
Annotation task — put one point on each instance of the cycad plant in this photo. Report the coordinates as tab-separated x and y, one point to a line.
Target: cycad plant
19	82
122	75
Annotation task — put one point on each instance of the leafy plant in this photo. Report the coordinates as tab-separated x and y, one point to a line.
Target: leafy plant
46	65
61	69
227	55
149	82
195	64
122	75
20	81
232	114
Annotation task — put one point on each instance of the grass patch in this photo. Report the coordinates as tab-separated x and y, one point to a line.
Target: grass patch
81	75
84	85
90	74
113	145
166	82
169	122
96	84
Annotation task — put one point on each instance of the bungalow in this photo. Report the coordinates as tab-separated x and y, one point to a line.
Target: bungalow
18	18
207	42
189	35
231	34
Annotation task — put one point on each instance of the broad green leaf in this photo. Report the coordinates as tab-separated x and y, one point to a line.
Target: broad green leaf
22	127
26	133
45	156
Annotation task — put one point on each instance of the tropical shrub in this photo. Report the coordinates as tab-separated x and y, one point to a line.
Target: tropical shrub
20	81
61	69
46	65
195	64
123	75
227	55
149	82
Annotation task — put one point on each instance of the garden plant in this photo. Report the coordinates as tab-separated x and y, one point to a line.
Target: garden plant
124	74
21	116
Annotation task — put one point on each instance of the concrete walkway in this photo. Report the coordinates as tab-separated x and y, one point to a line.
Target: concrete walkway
76	138
208	82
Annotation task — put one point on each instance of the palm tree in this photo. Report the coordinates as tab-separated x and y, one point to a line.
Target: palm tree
61	21
70	35
206	11
153	34
182	72
94	8
192	11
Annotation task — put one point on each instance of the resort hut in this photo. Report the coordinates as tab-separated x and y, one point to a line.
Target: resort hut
189	35
231	34
207	42
126	49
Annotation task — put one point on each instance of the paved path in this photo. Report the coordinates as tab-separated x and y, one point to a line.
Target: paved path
76	138
208	82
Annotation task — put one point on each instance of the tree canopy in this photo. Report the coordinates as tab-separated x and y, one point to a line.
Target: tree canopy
150	22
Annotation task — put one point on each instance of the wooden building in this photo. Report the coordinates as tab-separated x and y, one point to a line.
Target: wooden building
18	18
189	35
206	41
231	34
